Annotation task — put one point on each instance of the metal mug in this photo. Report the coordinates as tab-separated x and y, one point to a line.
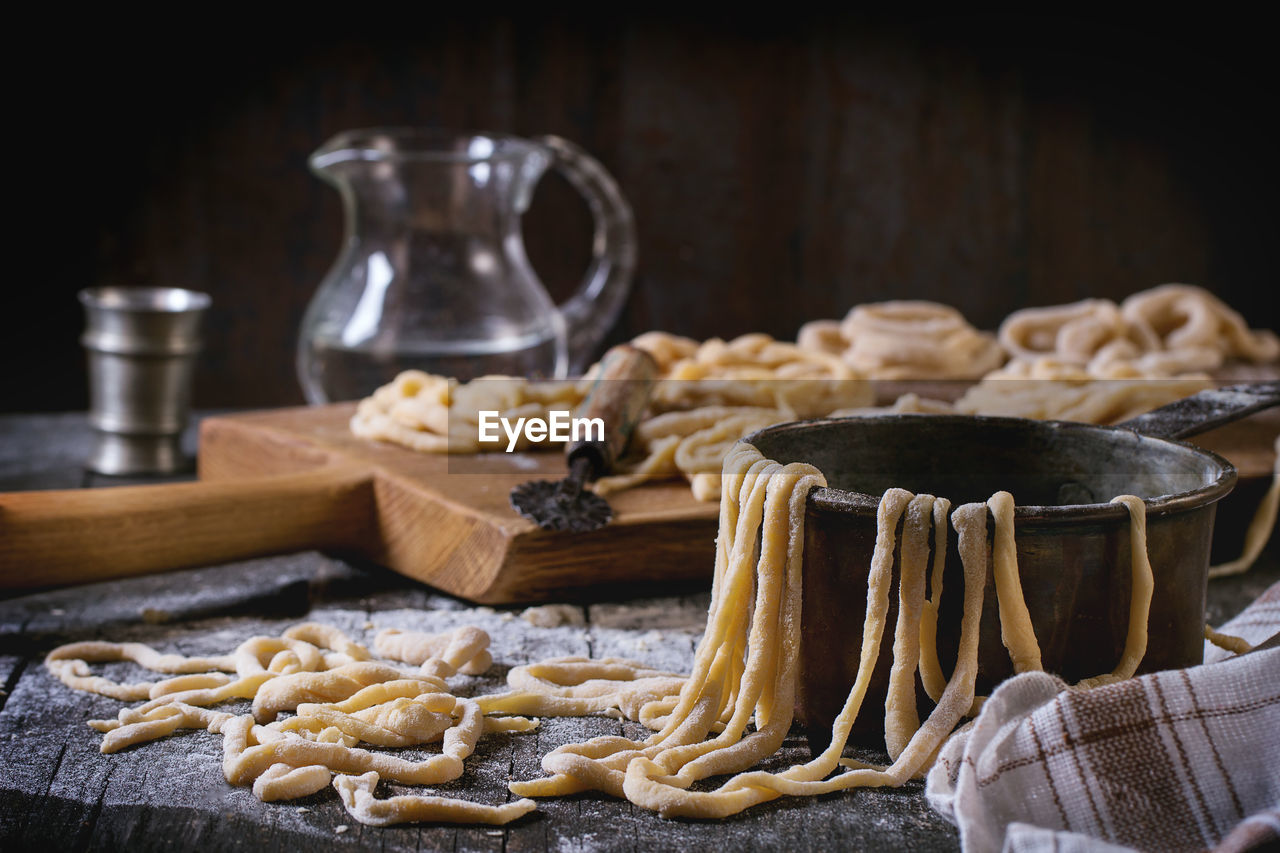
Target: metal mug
142	343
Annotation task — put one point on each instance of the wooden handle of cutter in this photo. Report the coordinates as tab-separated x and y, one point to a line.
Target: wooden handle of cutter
63	537
618	396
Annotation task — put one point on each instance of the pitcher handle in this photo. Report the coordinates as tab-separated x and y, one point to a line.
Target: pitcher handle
591	311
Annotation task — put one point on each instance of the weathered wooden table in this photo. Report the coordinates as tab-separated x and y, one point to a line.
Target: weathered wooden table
58	792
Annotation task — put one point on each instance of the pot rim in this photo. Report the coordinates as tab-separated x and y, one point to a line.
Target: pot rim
832	499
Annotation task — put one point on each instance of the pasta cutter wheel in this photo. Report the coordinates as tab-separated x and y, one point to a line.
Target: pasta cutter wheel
618	397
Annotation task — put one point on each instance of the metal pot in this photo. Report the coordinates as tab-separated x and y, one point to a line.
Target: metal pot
1073	545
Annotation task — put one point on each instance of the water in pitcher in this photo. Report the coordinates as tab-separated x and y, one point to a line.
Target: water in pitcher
433	274
336	371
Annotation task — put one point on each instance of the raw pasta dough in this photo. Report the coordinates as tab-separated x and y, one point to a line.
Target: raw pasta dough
905	340
1161	332
340	698
744	668
436	414
1260	528
1091	361
708	395
731	712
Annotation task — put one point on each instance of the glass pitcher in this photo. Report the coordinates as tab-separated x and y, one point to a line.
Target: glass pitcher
433	273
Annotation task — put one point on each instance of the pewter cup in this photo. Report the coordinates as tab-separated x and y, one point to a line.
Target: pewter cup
142	343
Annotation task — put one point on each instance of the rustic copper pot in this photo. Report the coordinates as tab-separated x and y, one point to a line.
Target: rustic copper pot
1073	545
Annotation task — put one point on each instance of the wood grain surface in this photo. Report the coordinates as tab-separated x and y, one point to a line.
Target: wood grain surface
782	167
278	481
283	480
58	792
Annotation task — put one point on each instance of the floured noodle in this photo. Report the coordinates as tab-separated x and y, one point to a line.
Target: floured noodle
1142	586
436	414
340	698
905	340
1092	361
745	668
357	793
1227	642
1045	390
730	713
1016	630
1162	332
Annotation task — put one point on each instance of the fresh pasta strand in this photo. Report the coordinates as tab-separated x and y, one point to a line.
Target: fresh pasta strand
1227	642
1016	630
731	711
1259	530
905	340
341	698
745	669
357	794
1142	587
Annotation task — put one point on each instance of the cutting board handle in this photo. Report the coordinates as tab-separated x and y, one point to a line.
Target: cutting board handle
62	537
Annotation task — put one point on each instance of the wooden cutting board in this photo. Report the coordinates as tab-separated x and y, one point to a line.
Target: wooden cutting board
447	520
296	479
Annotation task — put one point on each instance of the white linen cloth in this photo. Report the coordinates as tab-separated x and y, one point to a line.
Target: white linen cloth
1178	760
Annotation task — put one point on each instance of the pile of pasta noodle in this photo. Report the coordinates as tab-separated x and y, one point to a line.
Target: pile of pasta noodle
1099	362
730	713
1163	332
905	340
736	706
1091	361
340	697
708	395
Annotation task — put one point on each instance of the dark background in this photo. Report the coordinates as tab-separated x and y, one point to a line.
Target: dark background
780	170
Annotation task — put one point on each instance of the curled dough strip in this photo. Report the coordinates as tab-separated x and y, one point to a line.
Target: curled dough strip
357	794
1260	528
161	721
1073	333
328	637
248	750
462	650
1162	332
284	782
241	688
905	340
341	698
1049	392
287	692
398	722
576	686
70	664
277	655
1188	317
1227	642
917	340
1142	585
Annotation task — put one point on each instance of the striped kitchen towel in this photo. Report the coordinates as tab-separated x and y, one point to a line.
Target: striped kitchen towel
1178	760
